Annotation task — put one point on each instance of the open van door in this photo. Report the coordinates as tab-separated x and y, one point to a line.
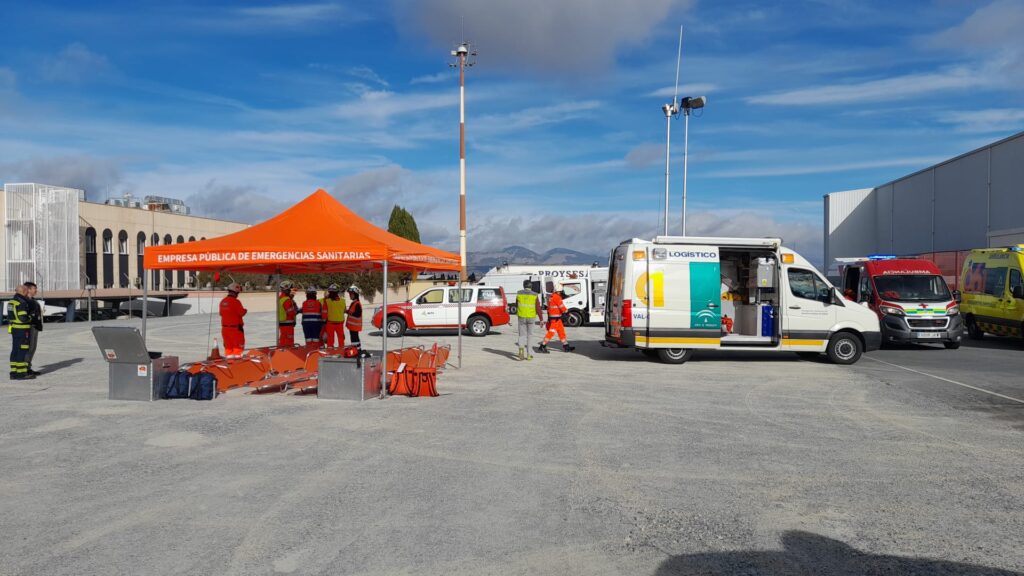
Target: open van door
682	297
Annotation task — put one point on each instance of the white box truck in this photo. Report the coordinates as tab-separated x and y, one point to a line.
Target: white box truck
587	284
672	295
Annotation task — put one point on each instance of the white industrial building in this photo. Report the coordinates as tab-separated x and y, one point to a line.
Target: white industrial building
975	200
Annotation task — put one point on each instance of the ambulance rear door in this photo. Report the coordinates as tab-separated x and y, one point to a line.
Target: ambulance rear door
681	292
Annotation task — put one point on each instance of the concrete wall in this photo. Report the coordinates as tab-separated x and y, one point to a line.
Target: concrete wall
972	201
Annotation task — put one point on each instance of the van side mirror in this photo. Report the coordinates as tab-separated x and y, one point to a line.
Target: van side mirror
957	296
835	297
1018	292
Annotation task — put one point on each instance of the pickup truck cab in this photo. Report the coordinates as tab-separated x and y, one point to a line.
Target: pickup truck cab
438	308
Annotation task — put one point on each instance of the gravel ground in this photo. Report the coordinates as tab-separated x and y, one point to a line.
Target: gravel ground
595	462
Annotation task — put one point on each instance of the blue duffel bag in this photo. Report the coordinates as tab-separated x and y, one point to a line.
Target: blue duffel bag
204	386
179	385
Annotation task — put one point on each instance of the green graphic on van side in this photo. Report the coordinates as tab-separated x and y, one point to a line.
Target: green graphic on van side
705	289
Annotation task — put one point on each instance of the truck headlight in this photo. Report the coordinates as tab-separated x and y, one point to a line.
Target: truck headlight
891	310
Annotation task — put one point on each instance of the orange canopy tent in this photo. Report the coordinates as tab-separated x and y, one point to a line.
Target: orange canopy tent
319	234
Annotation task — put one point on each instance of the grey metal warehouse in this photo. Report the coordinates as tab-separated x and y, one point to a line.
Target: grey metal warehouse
975	200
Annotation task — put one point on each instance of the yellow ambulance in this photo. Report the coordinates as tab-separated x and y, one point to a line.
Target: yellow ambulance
992	292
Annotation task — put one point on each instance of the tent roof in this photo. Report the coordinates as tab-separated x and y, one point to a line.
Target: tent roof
319	234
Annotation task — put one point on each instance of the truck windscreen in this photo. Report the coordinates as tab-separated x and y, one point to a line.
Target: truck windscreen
912	288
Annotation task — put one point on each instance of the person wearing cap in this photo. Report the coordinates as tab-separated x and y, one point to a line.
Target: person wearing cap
286	313
231	323
312	321
354	316
31	289
333	315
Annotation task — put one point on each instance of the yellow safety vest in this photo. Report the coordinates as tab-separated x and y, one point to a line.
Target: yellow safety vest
282	312
526	304
335	309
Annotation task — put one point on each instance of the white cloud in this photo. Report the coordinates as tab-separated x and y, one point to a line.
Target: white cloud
645	155
536	116
238	203
986	121
994	32
277	18
871	92
824	168
434	78
378	107
97	176
368	74
562	38
75	64
695	89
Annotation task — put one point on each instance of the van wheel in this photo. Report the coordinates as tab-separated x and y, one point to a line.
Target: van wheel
479	326
573	319
973	331
396	326
844	348
674	355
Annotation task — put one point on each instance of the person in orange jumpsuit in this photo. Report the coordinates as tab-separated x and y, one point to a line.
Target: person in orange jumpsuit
312	322
333	314
556	309
354	316
286	313
231	323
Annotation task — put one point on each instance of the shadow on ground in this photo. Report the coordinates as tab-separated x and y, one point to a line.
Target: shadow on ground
55	366
505	353
807	554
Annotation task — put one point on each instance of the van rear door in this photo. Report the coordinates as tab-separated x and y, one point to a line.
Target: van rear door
617	293
681	291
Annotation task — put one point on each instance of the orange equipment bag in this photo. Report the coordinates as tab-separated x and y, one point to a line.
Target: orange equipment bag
351	351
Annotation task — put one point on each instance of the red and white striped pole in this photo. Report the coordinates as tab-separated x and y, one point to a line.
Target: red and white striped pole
462	52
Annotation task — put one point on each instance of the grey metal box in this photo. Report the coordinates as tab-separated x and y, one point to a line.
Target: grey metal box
348	378
134	373
144	381
765	273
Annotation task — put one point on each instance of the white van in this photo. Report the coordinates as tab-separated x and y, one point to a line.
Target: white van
672	295
586	286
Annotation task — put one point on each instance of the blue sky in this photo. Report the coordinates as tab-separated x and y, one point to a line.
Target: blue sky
241	108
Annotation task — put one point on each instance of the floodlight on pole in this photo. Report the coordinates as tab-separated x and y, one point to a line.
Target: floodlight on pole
462	54
688	104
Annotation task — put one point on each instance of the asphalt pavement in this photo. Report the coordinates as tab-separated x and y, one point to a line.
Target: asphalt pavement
593	462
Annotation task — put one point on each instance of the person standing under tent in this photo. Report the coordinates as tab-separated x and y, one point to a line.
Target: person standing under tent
19	323
232	327
37	325
333	316
286	313
312	320
354	316
528	314
556	309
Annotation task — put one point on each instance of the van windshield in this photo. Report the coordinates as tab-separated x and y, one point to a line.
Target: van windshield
912	288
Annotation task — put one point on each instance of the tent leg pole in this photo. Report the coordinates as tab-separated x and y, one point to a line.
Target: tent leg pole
460	321
384	331
145	304
277	296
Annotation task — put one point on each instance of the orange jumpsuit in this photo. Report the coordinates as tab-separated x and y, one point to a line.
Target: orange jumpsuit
555	310
286	313
231	325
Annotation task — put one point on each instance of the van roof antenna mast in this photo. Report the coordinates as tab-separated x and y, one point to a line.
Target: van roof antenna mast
671	110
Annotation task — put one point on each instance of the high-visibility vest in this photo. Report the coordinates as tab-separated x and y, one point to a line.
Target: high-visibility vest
334	309
555	307
18	316
285	313
354	321
311	311
526	304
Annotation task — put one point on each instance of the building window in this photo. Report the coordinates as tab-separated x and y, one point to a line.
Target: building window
90	241
108	242
122	242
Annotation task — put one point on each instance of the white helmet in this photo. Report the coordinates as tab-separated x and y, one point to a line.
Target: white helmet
354	289
287	285
235	287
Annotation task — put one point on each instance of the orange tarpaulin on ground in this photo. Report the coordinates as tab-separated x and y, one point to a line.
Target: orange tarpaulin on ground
319	234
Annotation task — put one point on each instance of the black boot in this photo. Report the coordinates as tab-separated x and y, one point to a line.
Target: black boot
567	348
542	349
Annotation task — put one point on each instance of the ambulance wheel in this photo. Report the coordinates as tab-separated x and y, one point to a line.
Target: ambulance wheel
973	331
574	319
478	326
844	348
674	355
396	326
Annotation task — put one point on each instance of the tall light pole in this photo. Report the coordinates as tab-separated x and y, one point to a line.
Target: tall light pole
671	110
462	54
688	104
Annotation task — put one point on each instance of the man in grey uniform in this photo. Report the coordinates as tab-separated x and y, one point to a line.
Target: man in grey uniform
529	313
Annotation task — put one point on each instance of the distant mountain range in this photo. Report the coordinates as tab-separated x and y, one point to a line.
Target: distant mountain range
481	262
